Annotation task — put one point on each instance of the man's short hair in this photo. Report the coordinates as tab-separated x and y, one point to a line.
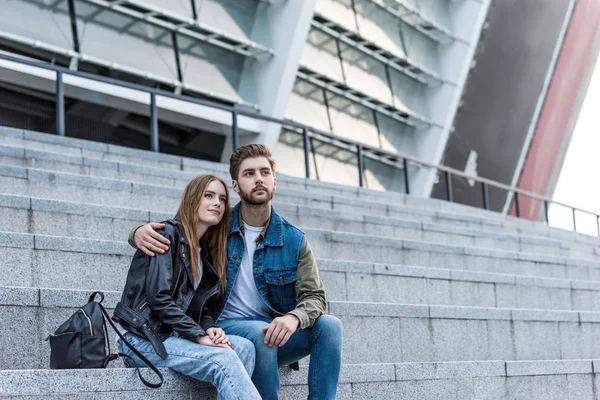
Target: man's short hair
248	151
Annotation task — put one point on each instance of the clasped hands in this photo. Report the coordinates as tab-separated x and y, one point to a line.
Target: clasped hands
215	337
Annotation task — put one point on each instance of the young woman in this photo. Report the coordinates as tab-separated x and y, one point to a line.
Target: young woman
166	304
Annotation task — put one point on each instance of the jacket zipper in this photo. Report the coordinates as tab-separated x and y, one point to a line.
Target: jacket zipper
177	281
155	325
212	292
89	322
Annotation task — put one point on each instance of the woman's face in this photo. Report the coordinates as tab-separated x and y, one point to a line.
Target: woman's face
212	205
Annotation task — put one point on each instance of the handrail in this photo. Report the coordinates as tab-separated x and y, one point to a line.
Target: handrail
307	131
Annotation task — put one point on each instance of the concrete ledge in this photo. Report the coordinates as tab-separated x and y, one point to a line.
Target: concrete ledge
558	367
19	296
72	298
361	239
381	197
79	180
403	223
176	193
95	210
20	240
448	312
433	247
545	282
378	309
79	245
545	315
483	277
449	370
10	151
13	172
585	285
20	202
104	164
120	381
155	190
416	272
11	132
64	141
48	156
144	154
589	316
94	246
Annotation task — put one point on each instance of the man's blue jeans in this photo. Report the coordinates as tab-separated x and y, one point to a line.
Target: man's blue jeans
323	341
228	370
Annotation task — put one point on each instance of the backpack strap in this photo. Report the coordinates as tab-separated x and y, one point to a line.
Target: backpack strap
131	347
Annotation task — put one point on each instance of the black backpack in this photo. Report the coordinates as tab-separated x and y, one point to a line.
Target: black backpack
82	341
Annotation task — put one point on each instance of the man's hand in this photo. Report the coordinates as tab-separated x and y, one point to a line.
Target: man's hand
205	340
280	329
148	240
217	335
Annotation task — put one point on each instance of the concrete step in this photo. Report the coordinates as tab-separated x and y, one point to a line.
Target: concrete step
36	215
53	261
401	332
56	261
366	282
39	183
57	185
565	380
88	156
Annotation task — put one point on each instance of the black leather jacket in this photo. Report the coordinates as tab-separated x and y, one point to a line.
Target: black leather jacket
159	295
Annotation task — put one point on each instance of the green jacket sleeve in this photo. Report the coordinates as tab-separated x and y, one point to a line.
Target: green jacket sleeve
310	292
131	234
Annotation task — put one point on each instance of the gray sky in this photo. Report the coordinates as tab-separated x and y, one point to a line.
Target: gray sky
579	181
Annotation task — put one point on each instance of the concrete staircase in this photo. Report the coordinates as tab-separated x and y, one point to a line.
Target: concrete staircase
438	300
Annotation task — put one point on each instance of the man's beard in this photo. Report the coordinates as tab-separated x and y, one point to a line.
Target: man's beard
256	202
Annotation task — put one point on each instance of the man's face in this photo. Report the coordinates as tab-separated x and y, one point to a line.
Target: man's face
256	182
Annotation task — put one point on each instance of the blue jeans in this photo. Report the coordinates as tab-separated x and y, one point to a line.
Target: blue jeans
322	341
228	370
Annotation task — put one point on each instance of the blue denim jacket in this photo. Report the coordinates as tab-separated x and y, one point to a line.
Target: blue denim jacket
275	261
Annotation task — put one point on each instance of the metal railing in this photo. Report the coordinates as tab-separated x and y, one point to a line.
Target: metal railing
361	150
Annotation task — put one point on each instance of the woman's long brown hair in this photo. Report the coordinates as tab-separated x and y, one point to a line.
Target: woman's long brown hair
215	238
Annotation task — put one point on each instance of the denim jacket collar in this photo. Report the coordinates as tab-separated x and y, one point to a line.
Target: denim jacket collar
274	233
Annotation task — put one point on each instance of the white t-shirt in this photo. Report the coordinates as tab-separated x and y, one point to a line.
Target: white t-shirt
244	300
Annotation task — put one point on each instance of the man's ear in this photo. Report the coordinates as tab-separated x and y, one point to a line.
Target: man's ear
235	186
274	183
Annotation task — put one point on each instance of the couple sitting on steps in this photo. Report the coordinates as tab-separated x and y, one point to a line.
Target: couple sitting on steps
226	295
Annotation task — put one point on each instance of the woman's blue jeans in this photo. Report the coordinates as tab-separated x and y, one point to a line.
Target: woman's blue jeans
228	370
322	341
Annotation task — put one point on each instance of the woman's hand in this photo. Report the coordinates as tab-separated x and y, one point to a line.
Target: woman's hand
205	340
217	335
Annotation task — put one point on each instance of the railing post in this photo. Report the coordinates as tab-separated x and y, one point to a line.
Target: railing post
485	196
361	166
60	105
574	220
449	196
598	223
306	152
546	212
406	184
234	130
517	205
153	124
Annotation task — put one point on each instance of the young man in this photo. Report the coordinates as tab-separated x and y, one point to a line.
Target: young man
274	295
